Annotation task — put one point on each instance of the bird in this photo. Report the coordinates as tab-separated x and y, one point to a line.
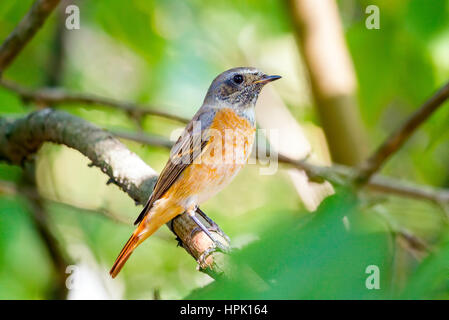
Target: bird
212	149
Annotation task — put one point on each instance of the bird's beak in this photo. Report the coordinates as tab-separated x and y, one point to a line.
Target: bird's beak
266	79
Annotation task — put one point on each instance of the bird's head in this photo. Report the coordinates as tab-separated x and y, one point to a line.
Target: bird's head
237	87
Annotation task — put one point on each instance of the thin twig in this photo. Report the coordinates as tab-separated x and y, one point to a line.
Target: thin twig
25	31
146	139
56	96
10	188
400	136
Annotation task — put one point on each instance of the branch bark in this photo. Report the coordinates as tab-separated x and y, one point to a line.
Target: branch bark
401	135
23	137
25	30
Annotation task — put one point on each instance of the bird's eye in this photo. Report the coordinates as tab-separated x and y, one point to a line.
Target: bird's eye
238	78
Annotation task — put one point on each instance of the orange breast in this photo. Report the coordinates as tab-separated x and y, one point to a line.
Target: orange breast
231	138
230	144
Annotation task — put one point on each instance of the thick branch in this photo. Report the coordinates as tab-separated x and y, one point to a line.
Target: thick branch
319	33
400	136
54	96
25	31
23	137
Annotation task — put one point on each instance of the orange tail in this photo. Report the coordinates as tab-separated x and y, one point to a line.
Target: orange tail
142	232
129	247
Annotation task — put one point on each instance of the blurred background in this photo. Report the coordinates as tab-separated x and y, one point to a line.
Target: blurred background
345	87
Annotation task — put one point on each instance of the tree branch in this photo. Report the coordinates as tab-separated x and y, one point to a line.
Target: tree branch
320	36
400	136
25	31
146	139
343	175
10	188
23	137
55	96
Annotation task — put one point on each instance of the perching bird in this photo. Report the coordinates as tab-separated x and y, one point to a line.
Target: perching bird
207	156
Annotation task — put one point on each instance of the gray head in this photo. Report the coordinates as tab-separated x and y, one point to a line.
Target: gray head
237	87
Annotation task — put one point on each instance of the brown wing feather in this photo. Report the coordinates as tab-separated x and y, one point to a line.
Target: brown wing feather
188	147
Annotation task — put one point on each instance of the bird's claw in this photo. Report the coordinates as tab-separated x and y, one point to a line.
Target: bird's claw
215	228
216	247
194	231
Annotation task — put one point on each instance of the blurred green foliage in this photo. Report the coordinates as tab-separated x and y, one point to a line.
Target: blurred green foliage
327	257
324	257
165	53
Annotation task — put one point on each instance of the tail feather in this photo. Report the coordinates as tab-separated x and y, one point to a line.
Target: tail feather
129	247
142	232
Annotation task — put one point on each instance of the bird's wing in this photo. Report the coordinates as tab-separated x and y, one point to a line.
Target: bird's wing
189	146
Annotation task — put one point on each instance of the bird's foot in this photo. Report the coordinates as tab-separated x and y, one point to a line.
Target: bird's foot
213	228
